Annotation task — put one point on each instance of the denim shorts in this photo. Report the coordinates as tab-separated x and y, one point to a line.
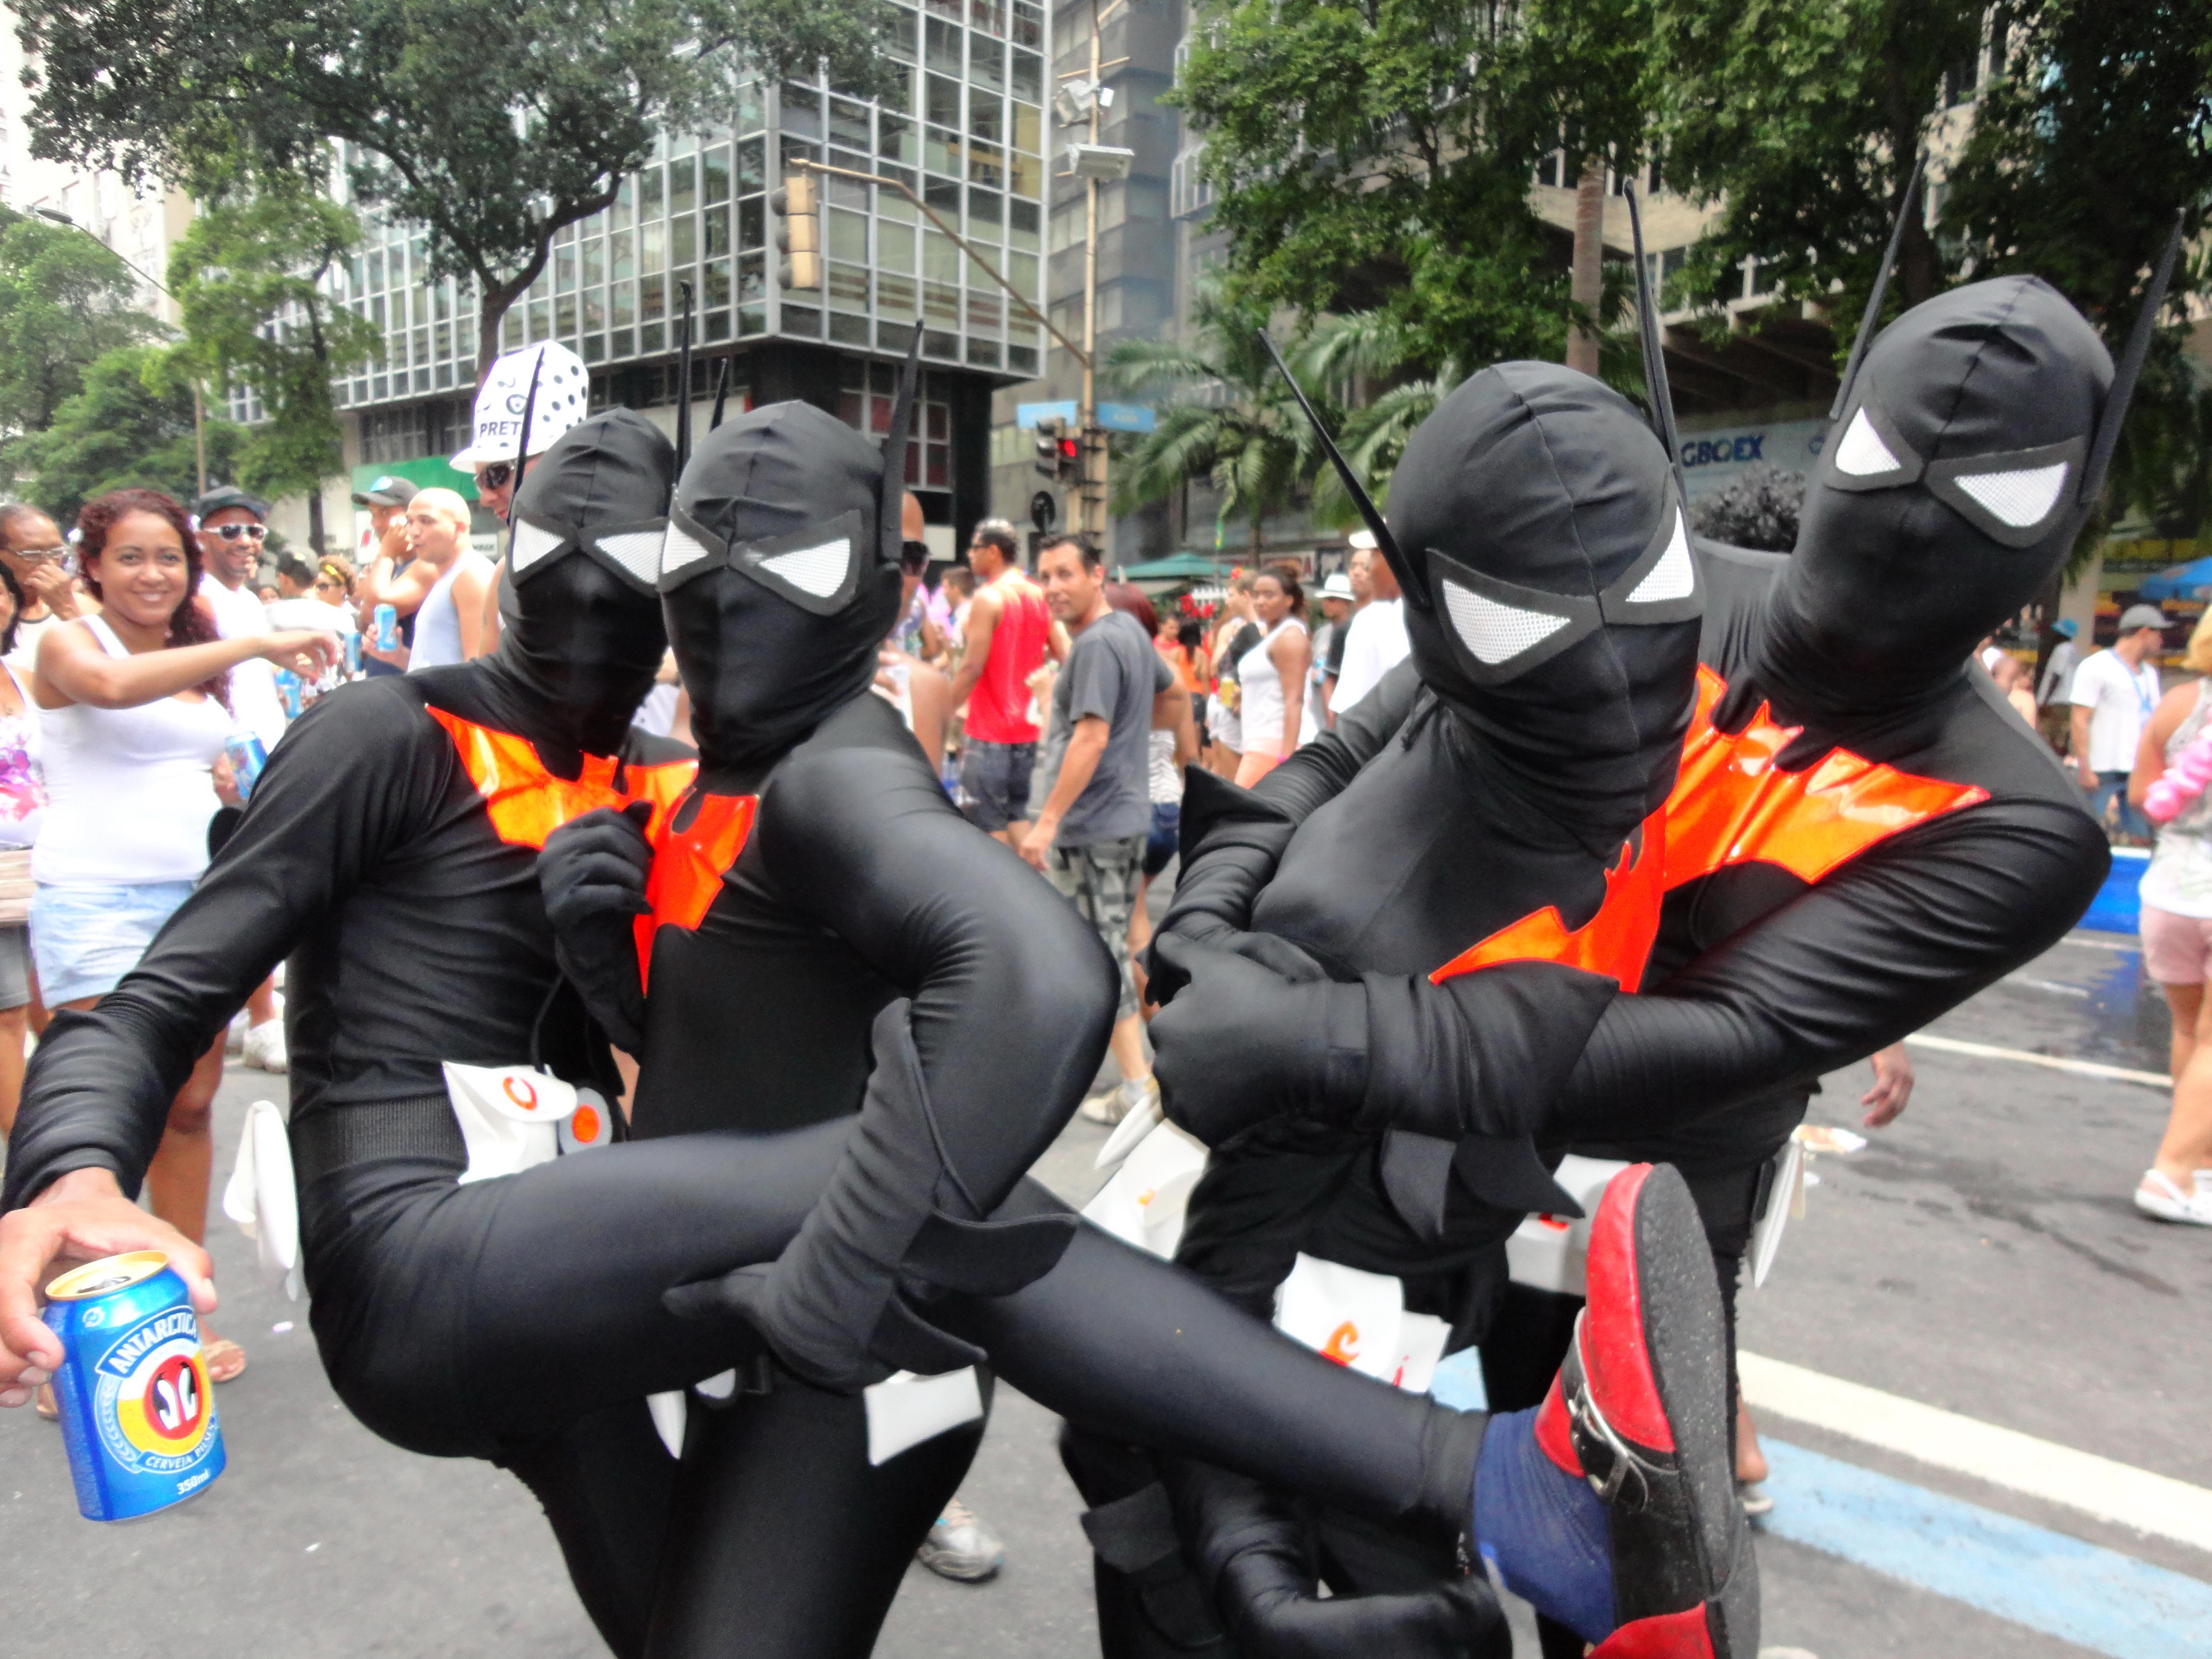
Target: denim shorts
1167	831
84	940
996	778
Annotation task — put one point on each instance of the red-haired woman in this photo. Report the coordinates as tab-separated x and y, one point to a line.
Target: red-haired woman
135	715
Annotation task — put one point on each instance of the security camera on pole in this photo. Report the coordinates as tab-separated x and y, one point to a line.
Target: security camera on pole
1082	98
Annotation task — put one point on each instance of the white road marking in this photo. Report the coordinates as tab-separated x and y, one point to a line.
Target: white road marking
2052	1062
2088	943
2051	985
2093	1485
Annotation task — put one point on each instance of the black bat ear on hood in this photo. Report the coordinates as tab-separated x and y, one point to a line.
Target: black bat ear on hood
893	495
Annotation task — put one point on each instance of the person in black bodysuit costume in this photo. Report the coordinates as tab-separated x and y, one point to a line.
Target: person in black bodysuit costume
1552	608
1861	836
815	880
389	852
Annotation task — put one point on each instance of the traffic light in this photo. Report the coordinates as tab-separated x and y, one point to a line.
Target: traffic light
798	238
1059	456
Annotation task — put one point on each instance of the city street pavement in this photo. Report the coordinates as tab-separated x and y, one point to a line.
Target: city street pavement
1980	1256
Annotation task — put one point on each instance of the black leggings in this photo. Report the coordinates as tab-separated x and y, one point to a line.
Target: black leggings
520	1320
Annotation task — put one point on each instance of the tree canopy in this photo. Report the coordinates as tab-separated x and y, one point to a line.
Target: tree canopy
65	302
248	276
1378	156
492	127
130	424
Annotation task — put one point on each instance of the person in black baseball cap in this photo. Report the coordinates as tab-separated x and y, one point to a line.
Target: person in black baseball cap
388	491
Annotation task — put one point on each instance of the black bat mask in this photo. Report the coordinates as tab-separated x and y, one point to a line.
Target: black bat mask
1551	601
1947	496
582	628
780	576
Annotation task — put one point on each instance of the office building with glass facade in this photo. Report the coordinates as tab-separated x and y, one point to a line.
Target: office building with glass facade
965	134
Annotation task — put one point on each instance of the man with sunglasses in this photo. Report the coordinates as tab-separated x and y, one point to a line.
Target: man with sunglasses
233	530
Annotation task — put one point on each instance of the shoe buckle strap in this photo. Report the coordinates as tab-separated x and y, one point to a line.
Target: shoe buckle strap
1597	1442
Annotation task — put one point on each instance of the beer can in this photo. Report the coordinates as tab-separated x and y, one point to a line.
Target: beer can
288	689
139	1417
387	628
247	757
353	653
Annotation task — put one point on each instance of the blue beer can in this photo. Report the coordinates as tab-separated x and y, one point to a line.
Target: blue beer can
353	653
247	757
387	628
137	1415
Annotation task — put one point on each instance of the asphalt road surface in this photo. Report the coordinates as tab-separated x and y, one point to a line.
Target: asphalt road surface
1979	1257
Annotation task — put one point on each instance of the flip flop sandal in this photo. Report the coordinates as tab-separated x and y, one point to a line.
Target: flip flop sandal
224	1360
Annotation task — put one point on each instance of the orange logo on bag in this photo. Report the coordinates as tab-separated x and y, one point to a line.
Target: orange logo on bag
1343	1345
1615	942
689	865
527	803
1731	804
519	1092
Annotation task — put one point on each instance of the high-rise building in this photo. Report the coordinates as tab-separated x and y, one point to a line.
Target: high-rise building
965	134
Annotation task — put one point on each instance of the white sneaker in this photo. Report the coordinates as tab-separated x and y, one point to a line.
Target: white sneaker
265	1047
2155	1195
1117	1103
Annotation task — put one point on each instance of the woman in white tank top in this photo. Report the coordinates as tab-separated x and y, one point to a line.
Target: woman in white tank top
1274	673
132	728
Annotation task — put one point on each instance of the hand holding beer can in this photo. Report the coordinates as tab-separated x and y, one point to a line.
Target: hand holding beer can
387	628
138	1414
248	756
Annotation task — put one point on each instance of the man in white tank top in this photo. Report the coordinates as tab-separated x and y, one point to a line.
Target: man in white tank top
451	578
231	534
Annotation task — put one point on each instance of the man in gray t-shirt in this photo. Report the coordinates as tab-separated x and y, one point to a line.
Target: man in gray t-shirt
1089	838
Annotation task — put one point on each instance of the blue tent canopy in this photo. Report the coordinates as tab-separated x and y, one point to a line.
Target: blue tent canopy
2179	581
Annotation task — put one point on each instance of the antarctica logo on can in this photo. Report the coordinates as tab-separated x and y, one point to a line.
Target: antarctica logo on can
138	1414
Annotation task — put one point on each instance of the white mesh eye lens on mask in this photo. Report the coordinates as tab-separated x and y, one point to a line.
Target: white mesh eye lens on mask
637	551
528	543
1862	452
681	550
1675	575
2018	499
2014	497
819	571
1495	633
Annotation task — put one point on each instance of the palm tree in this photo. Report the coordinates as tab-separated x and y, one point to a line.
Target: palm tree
1228	420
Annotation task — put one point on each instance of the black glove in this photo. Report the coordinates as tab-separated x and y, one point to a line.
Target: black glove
1232	840
1250	1550
1242	1043
593	873
832	1305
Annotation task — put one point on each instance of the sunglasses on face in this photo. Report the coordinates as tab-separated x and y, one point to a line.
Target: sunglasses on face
231	533
495	477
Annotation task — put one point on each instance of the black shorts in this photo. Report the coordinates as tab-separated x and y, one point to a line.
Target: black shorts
995	779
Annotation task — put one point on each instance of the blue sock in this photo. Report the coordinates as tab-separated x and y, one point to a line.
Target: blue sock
1543	1529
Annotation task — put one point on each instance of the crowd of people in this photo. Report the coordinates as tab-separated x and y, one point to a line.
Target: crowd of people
834	880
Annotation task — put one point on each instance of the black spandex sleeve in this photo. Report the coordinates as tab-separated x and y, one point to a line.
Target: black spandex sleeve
1906	930
1013	992
337	794
1230	848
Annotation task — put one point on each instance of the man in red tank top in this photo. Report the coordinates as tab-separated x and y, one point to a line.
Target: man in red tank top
1009	632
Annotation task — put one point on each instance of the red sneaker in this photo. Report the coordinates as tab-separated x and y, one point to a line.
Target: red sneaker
1640	1411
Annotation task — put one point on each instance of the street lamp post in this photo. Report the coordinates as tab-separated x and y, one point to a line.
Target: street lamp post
1094	163
200	418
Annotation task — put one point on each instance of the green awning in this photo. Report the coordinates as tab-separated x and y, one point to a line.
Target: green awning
1175	568
426	473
